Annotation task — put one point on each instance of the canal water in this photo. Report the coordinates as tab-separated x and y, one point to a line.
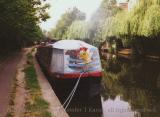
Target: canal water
129	88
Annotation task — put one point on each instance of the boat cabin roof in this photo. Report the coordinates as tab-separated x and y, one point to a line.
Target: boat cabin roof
70	44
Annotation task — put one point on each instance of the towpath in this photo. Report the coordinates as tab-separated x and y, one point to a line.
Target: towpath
7	73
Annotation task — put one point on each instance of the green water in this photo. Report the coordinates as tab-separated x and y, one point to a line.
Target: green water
131	88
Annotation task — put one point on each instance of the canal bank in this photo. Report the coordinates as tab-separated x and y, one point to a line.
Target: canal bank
31	94
49	95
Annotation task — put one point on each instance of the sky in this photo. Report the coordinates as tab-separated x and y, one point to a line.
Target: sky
59	7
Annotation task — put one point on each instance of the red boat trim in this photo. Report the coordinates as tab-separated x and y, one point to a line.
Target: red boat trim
76	75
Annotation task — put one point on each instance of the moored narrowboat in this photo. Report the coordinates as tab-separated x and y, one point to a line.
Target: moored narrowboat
66	61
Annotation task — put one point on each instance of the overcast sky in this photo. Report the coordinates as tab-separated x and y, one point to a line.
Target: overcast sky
58	7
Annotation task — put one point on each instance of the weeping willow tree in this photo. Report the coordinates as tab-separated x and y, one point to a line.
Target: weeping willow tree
151	23
139	28
144	19
144	22
78	30
117	25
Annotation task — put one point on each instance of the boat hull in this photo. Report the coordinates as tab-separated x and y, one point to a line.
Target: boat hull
87	88
89	84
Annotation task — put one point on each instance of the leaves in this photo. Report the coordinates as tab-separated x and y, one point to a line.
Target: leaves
142	20
111	21
151	23
19	20
65	22
78	30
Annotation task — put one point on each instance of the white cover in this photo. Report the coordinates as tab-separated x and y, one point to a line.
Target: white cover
57	62
66	63
70	44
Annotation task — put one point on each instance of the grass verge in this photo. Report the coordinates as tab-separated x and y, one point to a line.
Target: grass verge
35	106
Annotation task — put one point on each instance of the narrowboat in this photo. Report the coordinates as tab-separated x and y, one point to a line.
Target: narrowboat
66	61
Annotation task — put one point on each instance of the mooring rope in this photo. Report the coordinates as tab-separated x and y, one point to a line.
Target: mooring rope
72	93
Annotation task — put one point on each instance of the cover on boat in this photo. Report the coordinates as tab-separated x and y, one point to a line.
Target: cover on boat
74	56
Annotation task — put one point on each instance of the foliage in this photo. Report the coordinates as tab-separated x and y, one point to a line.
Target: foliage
136	27
78	30
140	23
143	20
71	26
65	22
151	23
19	22
103	15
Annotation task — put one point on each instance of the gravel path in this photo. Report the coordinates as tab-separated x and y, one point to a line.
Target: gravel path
21	94
7	73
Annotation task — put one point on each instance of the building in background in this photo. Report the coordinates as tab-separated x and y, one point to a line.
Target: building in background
126	4
123	4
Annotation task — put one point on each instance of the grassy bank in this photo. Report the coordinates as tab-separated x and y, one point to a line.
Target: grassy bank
27	91
35	105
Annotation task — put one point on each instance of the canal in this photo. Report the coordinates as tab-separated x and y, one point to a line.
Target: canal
129	88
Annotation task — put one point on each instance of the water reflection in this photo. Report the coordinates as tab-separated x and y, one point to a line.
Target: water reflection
132	85
90	107
86	101
117	108
83	104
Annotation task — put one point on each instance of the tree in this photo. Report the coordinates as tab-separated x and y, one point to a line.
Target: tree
143	20
151	23
19	21
66	20
104	13
78	30
140	27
